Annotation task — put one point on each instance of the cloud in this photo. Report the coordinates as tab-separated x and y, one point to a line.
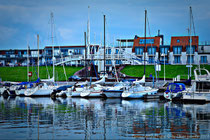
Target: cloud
6	33
65	33
124	19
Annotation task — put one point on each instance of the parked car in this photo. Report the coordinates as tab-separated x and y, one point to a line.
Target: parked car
74	78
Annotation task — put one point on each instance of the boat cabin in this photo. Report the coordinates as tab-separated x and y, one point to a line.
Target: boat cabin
203	86
175	87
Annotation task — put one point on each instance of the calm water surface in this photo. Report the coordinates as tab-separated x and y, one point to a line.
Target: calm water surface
78	118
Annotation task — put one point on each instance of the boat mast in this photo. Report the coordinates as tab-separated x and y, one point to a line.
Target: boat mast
190	41
27	63
38	54
145	41
85	55
104	45
53	58
88	33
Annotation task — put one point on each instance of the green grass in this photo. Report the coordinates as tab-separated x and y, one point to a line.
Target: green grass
20	73
171	71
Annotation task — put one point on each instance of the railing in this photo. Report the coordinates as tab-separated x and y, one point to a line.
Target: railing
192	62
162	54
201	62
150	54
25	55
190	54
174	62
176	54
204	43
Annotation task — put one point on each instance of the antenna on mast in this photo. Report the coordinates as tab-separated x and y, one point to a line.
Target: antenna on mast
88	32
53	58
190	41
145	33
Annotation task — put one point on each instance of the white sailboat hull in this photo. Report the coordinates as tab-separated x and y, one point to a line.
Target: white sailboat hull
89	93
75	93
140	94
20	92
113	93
38	92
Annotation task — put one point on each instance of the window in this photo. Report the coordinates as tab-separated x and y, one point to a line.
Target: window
177	49
151	59
118	62
190	59
192	49
116	51
49	52
162	59
164	50
109	62
148	41
92	50
108	51
139	50
64	51
177	60
151	50
203	59
178	41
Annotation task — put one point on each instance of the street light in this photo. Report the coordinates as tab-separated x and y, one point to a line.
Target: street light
164	54
164	63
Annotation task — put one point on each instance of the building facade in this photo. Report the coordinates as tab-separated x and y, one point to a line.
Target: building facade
182	50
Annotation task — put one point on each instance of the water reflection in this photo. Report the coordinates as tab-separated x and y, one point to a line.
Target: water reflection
78	118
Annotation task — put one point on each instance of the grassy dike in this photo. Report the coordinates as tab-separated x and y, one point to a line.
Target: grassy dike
20	73
171	71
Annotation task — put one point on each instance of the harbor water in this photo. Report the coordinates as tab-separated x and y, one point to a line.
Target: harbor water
79	118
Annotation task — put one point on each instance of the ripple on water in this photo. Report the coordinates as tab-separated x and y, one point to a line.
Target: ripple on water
43	118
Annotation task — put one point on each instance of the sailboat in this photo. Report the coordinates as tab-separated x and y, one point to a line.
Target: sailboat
137	90
42	89
200	89
95	90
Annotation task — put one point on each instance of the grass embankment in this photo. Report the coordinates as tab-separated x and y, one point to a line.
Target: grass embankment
171	71
20	73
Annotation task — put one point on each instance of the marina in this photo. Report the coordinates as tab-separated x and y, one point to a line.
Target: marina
106	70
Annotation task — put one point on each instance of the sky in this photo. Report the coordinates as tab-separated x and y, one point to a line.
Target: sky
22	20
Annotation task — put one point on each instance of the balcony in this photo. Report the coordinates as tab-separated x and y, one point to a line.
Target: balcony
177	54
25	55
163	54
177	62
204	62
192	54
150	54
139	54
189	62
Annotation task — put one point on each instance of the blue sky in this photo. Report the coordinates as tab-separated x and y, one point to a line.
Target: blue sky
22	20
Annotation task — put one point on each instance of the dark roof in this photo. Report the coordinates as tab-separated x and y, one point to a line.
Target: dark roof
125	40
79	46
65	46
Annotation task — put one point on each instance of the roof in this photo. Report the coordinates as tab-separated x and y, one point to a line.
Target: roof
79	46
76	46
125	40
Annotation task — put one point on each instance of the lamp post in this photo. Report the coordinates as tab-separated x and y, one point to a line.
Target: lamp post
164	55
164	66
